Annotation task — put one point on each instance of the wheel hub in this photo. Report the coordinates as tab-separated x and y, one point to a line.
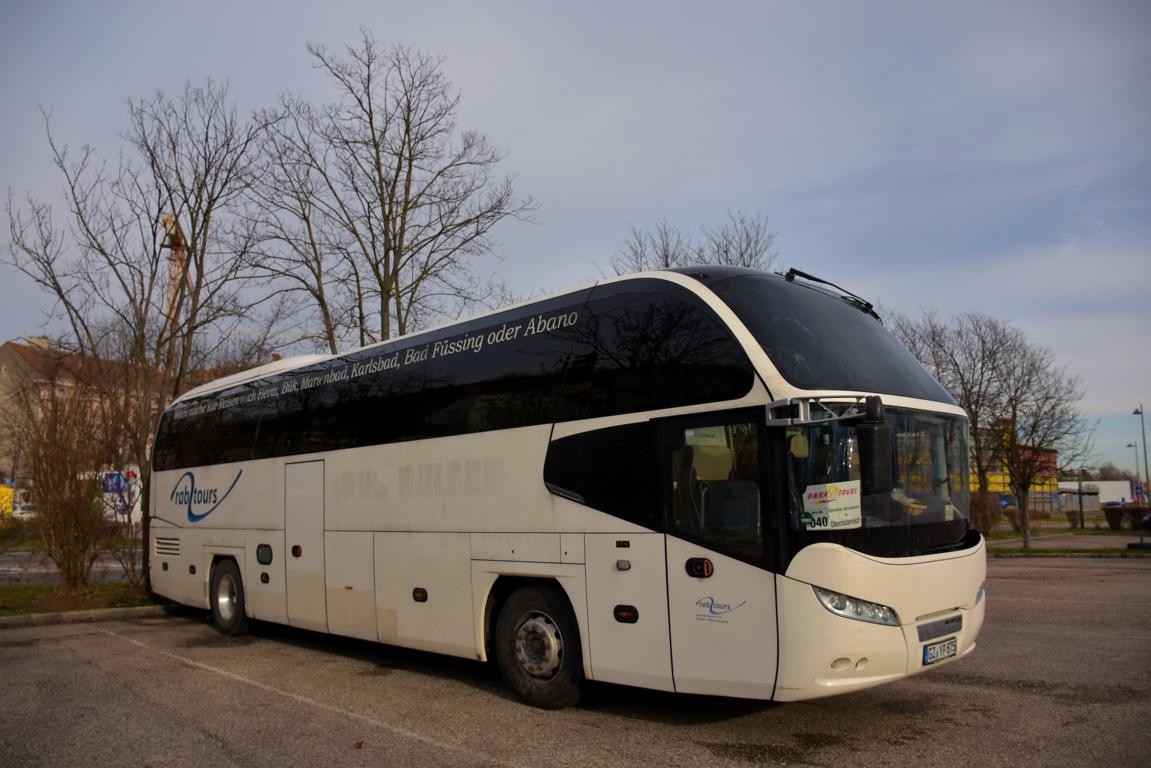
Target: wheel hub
226	598
539	646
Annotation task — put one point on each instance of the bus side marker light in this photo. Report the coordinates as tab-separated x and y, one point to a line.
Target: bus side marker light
265	578
623	565
192	569
699	568
626	614
420	595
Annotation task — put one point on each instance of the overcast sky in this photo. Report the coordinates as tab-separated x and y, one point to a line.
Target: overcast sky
993	157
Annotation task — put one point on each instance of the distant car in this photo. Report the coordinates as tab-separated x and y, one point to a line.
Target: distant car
24	510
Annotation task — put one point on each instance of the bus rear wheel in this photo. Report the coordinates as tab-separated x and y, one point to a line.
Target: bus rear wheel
538	648
227	599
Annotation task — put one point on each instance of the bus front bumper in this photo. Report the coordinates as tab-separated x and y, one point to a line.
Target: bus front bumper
940	606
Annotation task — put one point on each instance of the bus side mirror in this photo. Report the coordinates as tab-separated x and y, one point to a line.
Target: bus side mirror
874	437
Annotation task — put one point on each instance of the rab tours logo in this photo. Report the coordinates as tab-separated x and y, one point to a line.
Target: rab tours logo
186	494
710	609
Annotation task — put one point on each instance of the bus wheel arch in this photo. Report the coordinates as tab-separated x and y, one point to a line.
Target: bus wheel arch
226	597
534	636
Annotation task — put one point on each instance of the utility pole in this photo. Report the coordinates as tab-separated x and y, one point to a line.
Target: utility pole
1082	472
1142	423
1135	446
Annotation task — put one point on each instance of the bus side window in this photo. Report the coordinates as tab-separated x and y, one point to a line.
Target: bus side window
715	487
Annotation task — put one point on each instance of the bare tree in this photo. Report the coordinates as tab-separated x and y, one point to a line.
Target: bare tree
663	247
742	240
970	357
1108	471
1041	421
200	155
1023	408
387	204
147	270
302	251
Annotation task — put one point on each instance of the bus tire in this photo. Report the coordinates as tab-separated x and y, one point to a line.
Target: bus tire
226	597
538	648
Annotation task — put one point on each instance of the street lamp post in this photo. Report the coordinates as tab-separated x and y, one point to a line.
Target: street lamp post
1135	446
1143	425
1081	474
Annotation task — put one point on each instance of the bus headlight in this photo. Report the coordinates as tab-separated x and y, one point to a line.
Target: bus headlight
854	608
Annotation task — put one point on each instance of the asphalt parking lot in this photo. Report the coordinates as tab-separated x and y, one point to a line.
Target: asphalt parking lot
1061	678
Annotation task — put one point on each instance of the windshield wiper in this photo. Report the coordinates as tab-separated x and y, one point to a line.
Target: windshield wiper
854	300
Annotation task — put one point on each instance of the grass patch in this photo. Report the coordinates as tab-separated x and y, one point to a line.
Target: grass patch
1048	552
21	600
1045	531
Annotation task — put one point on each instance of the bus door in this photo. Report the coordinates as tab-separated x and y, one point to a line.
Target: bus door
304	539
721	600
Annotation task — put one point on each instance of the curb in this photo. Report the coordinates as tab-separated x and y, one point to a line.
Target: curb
81	617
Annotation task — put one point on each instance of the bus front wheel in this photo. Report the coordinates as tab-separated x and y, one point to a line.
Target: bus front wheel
538	648
227	599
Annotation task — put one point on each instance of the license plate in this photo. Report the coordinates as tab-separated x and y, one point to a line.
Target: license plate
944	649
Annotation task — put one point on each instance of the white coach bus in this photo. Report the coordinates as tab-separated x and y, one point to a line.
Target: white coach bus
713	481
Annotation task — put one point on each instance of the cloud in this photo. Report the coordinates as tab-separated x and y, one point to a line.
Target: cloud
1085	300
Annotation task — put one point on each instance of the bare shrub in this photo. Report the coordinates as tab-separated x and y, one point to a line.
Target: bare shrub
1011	512
986	512
61	424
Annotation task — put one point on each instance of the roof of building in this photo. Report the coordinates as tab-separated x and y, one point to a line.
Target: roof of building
45	361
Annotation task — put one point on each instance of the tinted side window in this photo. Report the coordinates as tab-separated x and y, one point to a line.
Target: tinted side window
164	449
496	377
648	350
636	346
234	435
377	408
614	470
715	482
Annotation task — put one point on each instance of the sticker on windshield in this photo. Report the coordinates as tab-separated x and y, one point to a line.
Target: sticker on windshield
831	507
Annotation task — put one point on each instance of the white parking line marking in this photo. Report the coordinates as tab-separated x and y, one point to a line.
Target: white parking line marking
395	729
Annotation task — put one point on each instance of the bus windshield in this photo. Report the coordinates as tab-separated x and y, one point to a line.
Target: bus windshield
927	509
819	341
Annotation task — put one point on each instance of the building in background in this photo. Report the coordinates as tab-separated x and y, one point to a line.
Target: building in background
1044	495
37	361
1096	494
